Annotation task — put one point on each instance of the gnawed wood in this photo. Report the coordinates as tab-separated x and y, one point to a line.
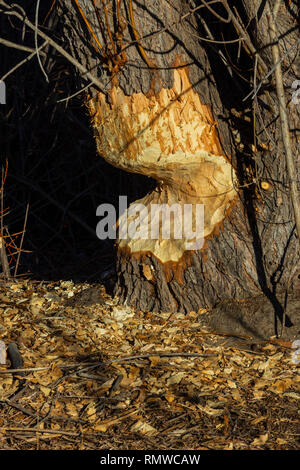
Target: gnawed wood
172	137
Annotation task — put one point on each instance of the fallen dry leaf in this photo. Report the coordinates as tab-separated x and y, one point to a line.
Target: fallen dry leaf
261	440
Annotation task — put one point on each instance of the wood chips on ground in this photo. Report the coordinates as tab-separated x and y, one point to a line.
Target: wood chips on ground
104	376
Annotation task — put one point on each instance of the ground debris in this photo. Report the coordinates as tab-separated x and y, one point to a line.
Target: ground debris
104	376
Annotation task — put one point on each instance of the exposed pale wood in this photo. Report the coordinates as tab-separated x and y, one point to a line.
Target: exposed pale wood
171	137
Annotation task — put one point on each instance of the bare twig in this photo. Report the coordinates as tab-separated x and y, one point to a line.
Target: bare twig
4	261
291	169
92	365
223	20
3	256
137	36
22	239
88	25
19	64
141	356
245	35
59	49
74	94
57	204
36	40
167	27
256	89
223	58
44	431
14	45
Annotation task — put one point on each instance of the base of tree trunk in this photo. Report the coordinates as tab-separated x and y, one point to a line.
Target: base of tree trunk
223	269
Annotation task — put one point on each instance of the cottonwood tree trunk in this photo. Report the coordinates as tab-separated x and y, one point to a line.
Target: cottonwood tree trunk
171	107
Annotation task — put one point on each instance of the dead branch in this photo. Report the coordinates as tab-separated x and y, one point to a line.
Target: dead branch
20	47
22	239
36	41
27	59
284	118
59	49
3	255
245	35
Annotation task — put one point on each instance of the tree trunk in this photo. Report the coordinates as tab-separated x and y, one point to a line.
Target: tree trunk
171	108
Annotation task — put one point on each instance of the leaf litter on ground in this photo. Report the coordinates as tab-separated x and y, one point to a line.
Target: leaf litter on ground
101	375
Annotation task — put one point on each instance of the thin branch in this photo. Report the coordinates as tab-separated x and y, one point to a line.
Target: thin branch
166	28
223	20
141	356
92	365
27	59
215	41
14	45
255	90
3	255
36	40
108	28
59	49
56	203
99	22
74	94
223	58
88	25
291	169
44	431
137	36
245	35
22	239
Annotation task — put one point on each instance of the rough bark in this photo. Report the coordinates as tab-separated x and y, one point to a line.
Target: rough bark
168	113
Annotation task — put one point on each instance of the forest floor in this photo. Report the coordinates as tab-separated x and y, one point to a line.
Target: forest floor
97	375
